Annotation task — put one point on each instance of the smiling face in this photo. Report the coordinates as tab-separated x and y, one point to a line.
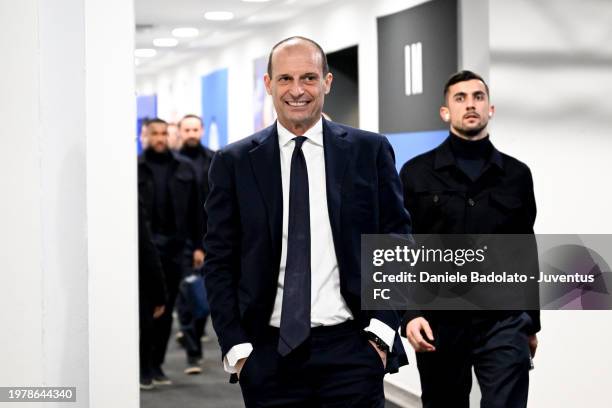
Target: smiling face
297	85
468	109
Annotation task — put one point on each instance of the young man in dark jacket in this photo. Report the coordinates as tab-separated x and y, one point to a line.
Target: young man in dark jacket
466	186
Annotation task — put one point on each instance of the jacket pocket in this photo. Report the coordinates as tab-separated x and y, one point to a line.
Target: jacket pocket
505	202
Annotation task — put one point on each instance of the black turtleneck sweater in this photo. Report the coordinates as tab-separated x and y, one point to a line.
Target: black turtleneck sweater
471	156
163	215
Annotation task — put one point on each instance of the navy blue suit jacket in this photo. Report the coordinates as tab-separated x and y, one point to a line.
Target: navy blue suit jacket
245	206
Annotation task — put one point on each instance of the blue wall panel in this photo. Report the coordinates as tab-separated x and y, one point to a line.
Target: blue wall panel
408	145
146	108
214	109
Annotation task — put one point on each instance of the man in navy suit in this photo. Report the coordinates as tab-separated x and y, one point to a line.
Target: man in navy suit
286	210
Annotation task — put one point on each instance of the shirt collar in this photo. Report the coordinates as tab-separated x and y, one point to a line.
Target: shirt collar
314	134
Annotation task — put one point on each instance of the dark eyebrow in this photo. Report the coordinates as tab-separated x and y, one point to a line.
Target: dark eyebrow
283	76
310	74
459	94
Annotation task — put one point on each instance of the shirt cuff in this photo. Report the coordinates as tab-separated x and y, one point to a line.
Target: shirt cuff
384	332
242	350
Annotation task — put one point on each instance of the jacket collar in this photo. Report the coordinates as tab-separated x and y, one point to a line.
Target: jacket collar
444	156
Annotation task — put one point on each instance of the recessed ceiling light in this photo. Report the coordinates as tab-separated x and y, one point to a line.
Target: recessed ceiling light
144	52
165	42
219	15
185	32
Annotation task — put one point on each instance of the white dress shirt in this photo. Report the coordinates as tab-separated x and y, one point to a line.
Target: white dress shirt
327	306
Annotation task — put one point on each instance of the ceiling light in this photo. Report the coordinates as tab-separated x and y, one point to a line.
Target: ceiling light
185	32
144	52
218	15
165	42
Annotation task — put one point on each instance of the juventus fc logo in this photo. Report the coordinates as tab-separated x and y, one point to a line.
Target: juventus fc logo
413	68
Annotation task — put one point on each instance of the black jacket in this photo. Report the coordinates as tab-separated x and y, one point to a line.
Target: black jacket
151	283
201	164
441	199
184	198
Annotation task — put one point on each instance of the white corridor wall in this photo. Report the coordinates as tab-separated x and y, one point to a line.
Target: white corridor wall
551	80
68	280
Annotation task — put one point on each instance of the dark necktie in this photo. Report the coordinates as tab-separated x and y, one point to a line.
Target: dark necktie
295	313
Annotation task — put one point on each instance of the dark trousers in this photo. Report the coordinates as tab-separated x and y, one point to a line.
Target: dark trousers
191	326
171	259
499	353
337	367
146	338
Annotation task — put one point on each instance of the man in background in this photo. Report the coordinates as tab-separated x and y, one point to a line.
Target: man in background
466	186
190	132
142	136
151	295
168	188
174	138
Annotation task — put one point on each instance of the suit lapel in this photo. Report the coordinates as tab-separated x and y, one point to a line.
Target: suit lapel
337	156
265	161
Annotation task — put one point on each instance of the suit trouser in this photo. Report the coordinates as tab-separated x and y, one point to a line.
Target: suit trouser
337	367
499	353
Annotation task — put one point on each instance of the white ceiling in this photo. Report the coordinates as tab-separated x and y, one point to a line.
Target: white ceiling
157	18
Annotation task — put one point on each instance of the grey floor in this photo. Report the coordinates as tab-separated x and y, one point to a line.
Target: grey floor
207	390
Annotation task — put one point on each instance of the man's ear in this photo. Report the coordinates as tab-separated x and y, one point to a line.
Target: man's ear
327	82
491	111
268	83
444	114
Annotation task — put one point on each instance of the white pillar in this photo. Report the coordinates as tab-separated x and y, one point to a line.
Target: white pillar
68	250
